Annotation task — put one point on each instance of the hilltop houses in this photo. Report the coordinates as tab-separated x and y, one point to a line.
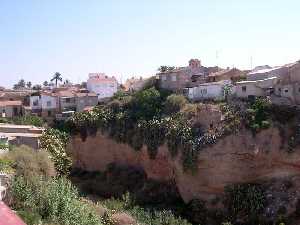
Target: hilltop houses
281	83
134	84
103	85
182	77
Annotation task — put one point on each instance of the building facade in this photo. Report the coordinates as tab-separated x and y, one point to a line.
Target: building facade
134	84
182	77
103	85
44	104
11	109
210	91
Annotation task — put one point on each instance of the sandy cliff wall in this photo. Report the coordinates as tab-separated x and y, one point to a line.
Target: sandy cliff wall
234	159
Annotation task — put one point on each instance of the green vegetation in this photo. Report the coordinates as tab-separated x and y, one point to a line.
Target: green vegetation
140	120
55	142
54	200
174	103
245	199
29	120
258	115
142	215
41	198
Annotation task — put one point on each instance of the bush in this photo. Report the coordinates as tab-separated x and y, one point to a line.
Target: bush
146	104
29	217
174	103
245	199
143	215
55	201
30	163
55	142
258	114
29	120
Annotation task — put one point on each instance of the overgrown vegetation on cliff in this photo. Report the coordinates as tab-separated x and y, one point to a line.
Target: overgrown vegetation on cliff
41	197
151	118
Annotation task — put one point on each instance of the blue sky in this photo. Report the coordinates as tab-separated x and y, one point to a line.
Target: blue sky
134	37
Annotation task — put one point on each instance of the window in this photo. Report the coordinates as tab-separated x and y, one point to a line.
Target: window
279	89
49	113
163	78
68	100
203	91
35	103
174	78
286	90
48	103
244	88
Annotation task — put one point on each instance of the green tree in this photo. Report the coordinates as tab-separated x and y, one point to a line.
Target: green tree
37	87
20	84
147	104
56	77
45	84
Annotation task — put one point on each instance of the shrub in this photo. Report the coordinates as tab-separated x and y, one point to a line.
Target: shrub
174	103
143	215
245	199
146	104
55	142
29	217
29	120
258	114
30	163
55	200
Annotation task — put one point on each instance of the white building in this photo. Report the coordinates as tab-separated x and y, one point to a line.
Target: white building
102	85
258	88
43	104
213	91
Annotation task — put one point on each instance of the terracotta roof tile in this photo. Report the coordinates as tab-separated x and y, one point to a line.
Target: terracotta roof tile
10	103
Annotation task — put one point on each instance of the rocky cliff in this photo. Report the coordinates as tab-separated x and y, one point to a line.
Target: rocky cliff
236	158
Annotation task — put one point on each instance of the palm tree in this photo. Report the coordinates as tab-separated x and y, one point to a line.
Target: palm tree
57	77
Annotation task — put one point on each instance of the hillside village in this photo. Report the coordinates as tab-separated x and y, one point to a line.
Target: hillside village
193	136
195	81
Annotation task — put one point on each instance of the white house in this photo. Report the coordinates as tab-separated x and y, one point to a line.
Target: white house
44	104
257	88
102	85
206	91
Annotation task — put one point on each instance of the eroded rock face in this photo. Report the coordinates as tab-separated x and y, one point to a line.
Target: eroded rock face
234	159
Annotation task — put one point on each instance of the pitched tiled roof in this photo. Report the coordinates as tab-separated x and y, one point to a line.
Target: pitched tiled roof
10	103
222	72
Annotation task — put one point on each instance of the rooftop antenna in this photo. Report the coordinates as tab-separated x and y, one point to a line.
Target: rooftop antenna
251	62
217	58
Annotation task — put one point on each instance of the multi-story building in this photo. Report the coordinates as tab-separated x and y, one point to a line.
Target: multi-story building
103	85
134	84
85	99
44	104
182	77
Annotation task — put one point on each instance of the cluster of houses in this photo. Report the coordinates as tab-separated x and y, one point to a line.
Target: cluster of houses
281	84
197	82
61	102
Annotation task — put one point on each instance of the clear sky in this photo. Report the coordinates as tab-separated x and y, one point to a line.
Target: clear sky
134	37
